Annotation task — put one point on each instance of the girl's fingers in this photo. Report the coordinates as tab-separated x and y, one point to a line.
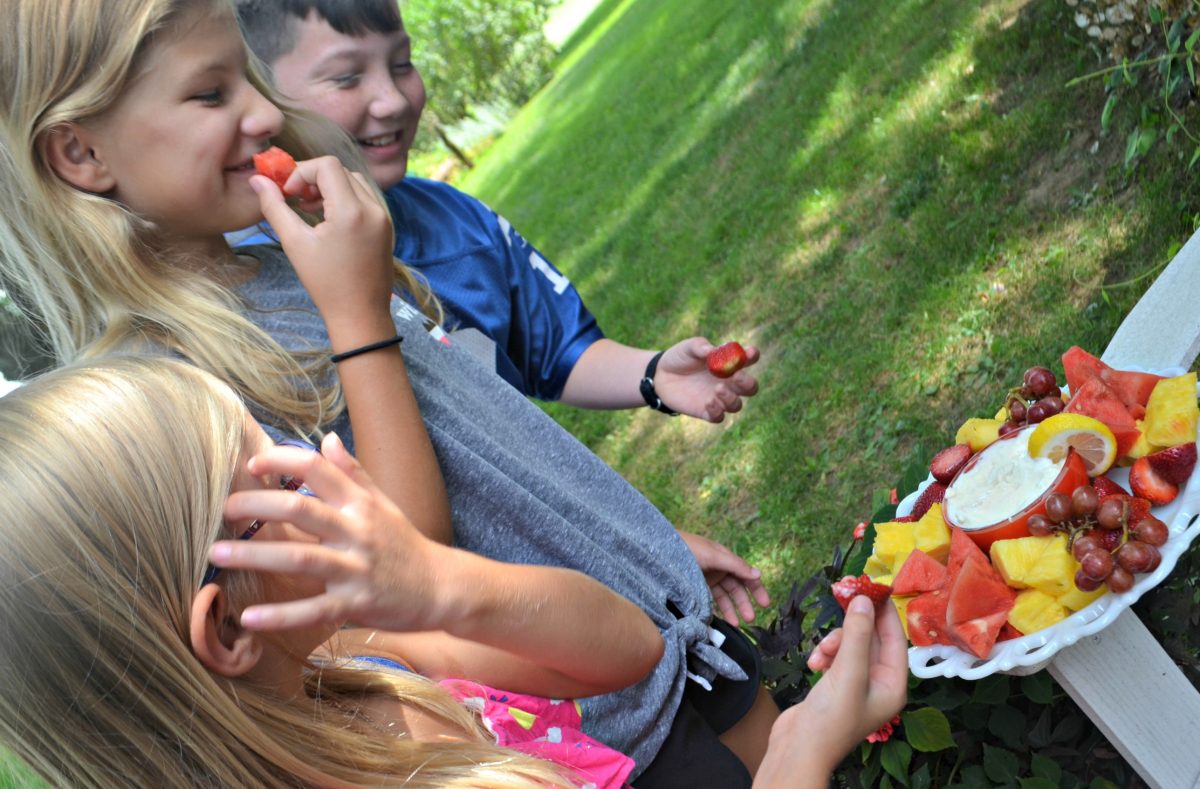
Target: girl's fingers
336	453
285	558
854	653
822	657
290	616
276	211
325	479
331	178
893	646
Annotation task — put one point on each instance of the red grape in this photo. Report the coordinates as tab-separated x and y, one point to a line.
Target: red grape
1151	531
1120	581
1097	564
1053	405
1007	428
1085	584
1135	556
1058	507
1039	380
1040	526
1111	514
1155	559
1084	545
1037	413
1016	410
1084	501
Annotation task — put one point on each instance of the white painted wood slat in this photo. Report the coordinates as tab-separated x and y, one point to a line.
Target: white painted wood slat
1121	677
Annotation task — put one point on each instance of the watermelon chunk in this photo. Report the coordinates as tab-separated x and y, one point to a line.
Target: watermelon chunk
1097	400
1131	388
1008	633
919	573
926	615
963	549
276	164
977	606
1081	367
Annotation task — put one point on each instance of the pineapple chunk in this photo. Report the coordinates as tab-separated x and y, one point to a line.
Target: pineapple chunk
893	543
886	580
1042	563
932	535
1014	558
1171	414
1076	600
1001	415
902	609
876	567
1035	610
979	433
1141	447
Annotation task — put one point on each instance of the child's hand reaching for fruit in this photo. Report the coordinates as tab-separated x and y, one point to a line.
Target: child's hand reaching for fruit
864	686
686	384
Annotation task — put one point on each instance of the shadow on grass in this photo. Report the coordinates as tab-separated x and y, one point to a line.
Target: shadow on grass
734	170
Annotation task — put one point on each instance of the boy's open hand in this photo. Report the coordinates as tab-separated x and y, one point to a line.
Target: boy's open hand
685	384
377	569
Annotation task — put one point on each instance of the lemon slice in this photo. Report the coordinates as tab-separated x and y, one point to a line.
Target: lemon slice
1089	437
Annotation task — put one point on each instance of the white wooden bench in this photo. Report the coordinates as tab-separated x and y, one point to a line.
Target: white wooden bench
1121	677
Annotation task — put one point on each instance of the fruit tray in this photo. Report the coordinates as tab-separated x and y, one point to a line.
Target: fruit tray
1028	653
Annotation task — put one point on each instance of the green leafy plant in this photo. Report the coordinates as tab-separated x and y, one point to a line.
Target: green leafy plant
1156	43
476	53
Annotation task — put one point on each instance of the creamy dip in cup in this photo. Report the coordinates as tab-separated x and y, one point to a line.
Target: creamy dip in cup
1001	481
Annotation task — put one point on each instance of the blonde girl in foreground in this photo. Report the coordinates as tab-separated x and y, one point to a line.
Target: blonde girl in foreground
135	669
142	664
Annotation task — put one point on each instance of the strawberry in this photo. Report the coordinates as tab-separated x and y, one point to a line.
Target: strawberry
1109	539
1148	484
860	530
905	519
930	496
850	587
1174	464
726	360
947	463
1106	487
276	164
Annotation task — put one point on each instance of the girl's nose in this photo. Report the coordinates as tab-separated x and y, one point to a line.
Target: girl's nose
261	118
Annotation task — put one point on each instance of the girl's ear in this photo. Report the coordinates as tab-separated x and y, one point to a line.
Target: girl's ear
68	152
218	639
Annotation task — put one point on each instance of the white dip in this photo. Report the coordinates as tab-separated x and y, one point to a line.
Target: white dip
1003	481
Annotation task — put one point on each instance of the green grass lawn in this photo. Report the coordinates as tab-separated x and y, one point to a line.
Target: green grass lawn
900	203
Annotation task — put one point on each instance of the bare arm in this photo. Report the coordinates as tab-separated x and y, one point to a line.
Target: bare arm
345	264
549	629
864	685
607	375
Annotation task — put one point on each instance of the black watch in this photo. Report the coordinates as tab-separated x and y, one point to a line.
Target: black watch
647	388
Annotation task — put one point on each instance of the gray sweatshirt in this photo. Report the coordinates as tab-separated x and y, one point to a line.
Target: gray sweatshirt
522	489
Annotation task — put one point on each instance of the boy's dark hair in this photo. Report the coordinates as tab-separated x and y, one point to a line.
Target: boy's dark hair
270	30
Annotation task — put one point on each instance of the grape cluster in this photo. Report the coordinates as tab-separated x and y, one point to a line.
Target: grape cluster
1037	399
1111	539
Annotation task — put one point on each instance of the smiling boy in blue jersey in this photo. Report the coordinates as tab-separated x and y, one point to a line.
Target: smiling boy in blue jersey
350	61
